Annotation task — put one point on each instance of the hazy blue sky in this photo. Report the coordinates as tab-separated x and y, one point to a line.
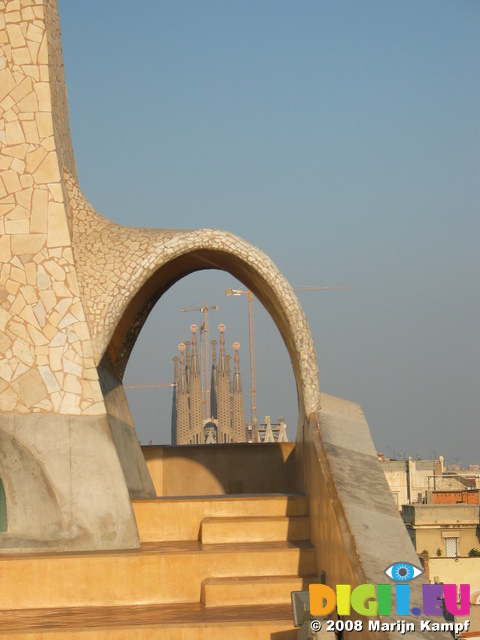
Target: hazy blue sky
340	137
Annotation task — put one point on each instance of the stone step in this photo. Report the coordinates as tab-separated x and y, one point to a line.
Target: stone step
160	573
179	518
190	621
254	529
251	590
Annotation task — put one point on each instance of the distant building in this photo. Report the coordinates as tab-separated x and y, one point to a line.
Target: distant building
442	529
440	509
413	481
226	417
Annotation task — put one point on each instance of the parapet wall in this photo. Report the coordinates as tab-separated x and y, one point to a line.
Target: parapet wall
221	469
355	525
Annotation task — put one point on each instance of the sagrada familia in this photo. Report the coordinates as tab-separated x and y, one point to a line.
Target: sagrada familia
222	421
214	414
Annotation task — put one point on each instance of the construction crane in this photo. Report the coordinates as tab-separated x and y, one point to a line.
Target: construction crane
204	355
253	389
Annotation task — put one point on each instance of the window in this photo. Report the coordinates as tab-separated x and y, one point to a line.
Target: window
451	547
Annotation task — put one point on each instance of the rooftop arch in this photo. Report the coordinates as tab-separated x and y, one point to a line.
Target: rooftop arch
213	249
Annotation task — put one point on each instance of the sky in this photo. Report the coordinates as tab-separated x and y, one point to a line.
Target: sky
341	138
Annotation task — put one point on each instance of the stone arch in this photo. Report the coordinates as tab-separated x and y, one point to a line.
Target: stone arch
134	267
213	249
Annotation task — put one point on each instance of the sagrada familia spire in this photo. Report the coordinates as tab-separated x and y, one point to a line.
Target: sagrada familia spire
224	420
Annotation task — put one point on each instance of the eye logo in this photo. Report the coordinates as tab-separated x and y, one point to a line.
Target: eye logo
403	571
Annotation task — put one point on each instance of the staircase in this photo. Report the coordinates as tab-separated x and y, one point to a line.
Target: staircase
209	567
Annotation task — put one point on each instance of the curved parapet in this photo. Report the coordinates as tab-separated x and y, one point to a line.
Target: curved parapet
355	524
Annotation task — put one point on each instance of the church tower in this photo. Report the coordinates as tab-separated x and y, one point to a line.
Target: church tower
183	417
213	382
174	400
187	363
224	415
195	393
